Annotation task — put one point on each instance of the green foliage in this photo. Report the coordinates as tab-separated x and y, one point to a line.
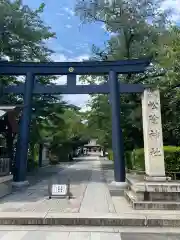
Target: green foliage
137	159
99	120
66	135
23	33
135	36
127	157
171	155
110	154
23	37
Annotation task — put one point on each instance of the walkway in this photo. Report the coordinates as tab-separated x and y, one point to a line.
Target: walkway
90	193
91	203
82	233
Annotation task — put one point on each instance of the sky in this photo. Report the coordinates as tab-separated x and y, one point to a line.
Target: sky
74	41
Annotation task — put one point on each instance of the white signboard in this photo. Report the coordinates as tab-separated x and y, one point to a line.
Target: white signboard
59	190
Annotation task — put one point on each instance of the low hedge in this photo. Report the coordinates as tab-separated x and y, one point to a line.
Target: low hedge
31	165
135	159
127	158
171	157
110	154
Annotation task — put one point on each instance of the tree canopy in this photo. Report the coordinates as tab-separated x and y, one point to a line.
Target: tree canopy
23	37
138	29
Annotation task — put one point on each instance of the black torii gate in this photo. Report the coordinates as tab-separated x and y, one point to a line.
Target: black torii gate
71	69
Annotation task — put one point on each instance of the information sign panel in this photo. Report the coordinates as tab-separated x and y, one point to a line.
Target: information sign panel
59	190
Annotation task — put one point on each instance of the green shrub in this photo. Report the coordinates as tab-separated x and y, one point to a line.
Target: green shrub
31	164
137	159
110	154
171	156
127	156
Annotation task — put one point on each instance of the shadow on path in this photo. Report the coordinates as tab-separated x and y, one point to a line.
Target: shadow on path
78	172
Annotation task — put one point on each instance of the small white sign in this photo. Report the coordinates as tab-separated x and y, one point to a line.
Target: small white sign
59	189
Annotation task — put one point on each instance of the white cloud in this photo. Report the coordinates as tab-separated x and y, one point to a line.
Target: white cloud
105	29
103	26
68	26
60	49
59	57
79	100
62	58
112	34
69	11
76	99
175	6
60	14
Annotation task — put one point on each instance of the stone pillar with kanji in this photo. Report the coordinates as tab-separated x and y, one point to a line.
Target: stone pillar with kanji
153	137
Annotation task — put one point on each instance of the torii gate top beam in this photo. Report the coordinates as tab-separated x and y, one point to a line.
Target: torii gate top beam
78	68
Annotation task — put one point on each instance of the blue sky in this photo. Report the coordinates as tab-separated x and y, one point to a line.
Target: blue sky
74	40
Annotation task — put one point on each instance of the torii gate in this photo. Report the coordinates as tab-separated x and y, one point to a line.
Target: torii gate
72	69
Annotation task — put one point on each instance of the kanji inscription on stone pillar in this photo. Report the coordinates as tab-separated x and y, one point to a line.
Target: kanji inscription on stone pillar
153	138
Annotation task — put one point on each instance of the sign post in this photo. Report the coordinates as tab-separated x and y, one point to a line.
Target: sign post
59	190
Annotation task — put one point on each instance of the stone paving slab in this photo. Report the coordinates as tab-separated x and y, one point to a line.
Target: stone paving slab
91	203
23	235
35	198
88	188
84	234
97	197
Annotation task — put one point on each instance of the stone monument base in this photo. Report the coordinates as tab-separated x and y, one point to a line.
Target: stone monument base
156	179
151	195
5	185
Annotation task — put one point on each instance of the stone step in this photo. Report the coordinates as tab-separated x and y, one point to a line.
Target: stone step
113	220
130	197
129	182
137	184
149	205
156	188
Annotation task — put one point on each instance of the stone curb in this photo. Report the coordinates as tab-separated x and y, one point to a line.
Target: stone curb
129	220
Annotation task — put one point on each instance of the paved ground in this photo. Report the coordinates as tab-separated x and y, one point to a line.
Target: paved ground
88	189
80	233
90	196
46	172
88	186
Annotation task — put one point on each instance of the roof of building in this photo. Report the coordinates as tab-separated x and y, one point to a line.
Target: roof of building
92	143
5	109
12	112
2	113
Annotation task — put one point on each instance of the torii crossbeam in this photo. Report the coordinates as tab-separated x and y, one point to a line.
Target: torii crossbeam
72	69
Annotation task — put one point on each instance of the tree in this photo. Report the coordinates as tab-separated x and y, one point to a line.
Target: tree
23	37
23	33
169	86
139	29
69	133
